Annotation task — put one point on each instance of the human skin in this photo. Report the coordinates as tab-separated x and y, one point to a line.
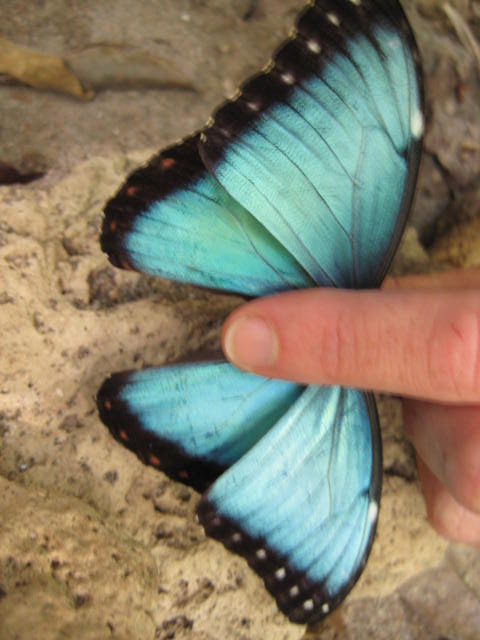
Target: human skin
418	338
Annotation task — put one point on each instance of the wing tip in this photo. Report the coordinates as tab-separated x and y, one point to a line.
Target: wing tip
175	166
112	240
300	599
127	428
113	410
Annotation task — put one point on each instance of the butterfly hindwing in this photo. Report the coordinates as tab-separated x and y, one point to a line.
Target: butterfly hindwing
192	420
174	220
302	504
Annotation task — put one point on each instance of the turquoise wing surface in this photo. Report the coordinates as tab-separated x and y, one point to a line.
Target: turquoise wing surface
323	148
193	421
304	179
302	504
173	219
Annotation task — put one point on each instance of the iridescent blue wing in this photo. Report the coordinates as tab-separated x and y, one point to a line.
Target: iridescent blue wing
302	504
192	421
315	164
311	172
323	147
173	219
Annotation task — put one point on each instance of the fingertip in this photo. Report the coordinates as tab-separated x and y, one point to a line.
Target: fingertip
448	518
410	415
463	470
447	439
250	342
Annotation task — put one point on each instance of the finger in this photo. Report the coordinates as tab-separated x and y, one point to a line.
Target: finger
450	519
421	343
447	438
452	279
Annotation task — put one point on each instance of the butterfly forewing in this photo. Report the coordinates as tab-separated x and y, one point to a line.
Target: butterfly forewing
323	148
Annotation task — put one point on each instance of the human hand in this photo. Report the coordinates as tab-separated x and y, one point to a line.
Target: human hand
419	338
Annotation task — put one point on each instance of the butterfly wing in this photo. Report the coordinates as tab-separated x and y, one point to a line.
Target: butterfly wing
301	506
173	219
323	147
315	165
192	421
314	168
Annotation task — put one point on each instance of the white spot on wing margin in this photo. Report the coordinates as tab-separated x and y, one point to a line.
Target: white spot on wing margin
416	124
372	513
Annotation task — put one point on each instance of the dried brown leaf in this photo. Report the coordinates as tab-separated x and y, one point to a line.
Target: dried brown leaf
39	70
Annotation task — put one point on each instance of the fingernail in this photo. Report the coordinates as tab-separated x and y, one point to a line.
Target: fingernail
251	343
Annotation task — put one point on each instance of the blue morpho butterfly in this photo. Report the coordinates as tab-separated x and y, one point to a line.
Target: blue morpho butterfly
304	179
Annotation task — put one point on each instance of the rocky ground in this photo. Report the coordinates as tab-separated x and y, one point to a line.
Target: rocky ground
92	543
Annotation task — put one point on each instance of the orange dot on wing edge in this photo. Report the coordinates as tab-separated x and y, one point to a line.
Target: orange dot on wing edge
123	435
124	264
153	460
167	163
107	404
